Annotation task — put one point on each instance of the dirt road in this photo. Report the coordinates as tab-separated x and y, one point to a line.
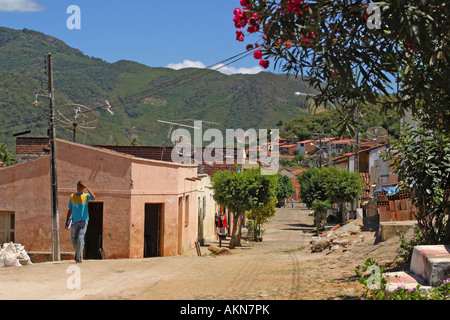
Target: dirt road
280	267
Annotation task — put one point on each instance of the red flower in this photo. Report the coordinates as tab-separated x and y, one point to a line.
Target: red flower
246	4
240	18
239	35
412	47
249	47
288	44
253	28
335	73
310	34
305	40
264	63
257	54
296	6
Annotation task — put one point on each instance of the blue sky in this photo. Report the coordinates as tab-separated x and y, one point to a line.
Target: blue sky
154	33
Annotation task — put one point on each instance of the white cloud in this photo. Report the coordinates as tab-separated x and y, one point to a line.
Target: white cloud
221	68
186	64
233	70
20	5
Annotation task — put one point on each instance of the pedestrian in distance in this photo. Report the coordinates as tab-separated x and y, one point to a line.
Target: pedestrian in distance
78	217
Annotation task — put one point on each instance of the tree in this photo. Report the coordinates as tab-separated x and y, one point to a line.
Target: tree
394	53
240	192
329	184
342	185
312	186
285	188
260	215
422	161
6	155
320	208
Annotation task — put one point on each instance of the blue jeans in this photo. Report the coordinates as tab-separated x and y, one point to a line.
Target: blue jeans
78	231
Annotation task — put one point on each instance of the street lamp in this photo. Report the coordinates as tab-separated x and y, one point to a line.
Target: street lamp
320	154
311	95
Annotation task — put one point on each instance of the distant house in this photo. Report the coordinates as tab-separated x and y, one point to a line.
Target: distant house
143	208
305	146
324	142
370	162
340	145
288	149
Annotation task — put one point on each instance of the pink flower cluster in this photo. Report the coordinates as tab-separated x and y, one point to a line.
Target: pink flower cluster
296	6
242	19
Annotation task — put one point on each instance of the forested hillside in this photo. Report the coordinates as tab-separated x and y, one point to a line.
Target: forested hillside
236	101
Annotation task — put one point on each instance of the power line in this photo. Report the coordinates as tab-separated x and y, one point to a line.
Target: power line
21	74
176	82
27	125
190	77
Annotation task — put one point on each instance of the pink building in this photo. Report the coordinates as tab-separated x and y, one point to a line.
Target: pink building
143	208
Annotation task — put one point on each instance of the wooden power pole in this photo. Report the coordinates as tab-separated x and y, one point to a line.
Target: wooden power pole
53	177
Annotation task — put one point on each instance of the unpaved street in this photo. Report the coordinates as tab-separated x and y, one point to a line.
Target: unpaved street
280	267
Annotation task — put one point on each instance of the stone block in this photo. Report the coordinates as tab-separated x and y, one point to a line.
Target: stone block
403	279
431	263
389	228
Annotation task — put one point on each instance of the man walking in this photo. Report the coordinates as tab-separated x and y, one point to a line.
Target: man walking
78	211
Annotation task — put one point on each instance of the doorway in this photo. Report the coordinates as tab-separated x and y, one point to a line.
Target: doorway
180	226
153	230
7	221
94	234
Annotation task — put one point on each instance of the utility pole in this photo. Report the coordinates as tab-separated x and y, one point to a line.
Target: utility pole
356	165
54	185
329	149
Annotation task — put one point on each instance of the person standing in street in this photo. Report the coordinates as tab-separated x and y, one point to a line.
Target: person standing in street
78	212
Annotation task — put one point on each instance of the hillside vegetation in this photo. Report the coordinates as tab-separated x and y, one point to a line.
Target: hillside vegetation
236	101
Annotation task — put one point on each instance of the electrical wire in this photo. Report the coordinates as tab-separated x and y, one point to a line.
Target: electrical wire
190	77
25	125
21	74
195	75
10	127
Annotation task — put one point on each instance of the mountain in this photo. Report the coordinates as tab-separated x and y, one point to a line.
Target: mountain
232	101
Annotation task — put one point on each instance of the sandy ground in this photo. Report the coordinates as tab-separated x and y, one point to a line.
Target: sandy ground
281	267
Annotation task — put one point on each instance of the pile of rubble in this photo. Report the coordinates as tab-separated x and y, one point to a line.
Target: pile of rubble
337	237
13	255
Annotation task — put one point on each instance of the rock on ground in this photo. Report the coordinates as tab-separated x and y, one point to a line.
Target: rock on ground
218	250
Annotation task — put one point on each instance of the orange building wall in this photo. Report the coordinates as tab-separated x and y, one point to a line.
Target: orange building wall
123	183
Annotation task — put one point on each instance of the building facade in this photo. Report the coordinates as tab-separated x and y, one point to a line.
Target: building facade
143	207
